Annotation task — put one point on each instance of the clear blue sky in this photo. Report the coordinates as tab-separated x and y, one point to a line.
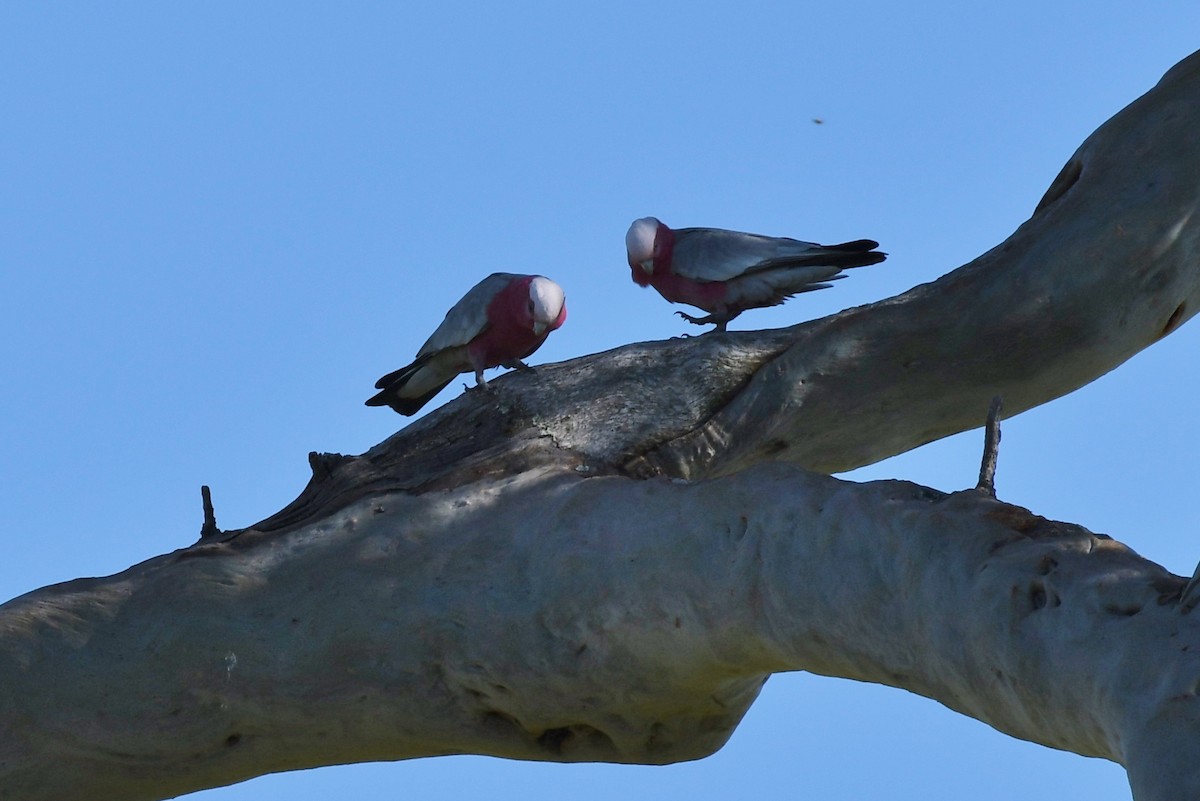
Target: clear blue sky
221	222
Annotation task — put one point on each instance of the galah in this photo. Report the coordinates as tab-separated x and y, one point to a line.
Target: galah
502	320
726	272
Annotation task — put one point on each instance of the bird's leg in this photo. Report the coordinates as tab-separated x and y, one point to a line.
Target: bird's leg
480	383
725	320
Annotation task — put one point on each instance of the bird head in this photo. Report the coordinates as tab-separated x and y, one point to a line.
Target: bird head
639	244
547	304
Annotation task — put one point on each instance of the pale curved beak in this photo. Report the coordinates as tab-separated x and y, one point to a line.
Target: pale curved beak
538	328
647	265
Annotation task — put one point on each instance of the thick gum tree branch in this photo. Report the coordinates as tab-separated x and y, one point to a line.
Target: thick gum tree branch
469	586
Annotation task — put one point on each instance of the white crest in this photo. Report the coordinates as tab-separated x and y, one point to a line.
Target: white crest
639	240
547	298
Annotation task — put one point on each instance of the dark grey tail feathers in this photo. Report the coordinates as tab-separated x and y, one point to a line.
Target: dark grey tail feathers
403	374
393	382
859	253
857	244
404	406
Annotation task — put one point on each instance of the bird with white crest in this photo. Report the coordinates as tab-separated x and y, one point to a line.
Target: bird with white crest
500	321
726	272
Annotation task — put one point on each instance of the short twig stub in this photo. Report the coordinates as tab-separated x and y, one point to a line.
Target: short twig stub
209	529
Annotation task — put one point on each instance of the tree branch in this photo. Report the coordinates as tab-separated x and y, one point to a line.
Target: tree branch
991	448
501	577
521	617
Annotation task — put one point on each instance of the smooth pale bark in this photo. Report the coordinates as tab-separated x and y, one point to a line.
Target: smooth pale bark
538	573
410	625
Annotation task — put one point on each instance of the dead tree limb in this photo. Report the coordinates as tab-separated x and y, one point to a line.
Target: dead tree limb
991	448
605	559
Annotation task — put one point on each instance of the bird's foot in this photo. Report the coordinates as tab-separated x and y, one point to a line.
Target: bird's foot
697	320
517	364
719	322
480	384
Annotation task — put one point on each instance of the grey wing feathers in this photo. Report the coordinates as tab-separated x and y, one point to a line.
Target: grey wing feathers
713	254
468	318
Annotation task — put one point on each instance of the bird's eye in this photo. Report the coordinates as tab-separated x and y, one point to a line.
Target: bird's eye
531	307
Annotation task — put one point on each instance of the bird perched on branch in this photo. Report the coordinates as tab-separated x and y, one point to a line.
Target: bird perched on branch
500	321
726	272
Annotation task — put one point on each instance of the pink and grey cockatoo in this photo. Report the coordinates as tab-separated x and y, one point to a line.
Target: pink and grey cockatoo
503	319
726	272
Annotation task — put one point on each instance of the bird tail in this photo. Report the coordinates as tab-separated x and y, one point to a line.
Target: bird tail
399	377
390	385
404	406
859	253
